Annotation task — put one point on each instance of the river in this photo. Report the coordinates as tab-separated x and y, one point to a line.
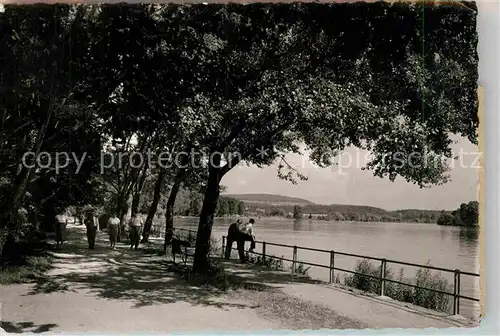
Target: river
446	247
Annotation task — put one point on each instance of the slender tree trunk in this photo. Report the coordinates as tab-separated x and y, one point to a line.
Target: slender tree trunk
24	176
154	206
169	214
122	210
8	215
200	264
136	199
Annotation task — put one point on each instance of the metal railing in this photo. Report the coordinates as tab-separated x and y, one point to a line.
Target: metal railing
159	231
180	231
381	277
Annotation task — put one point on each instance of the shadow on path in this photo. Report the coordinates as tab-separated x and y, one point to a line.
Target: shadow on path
26	327
262	276
121	274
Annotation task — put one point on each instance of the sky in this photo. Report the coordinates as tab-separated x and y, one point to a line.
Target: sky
348	184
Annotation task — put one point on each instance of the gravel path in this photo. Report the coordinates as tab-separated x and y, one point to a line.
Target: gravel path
120	291
126	291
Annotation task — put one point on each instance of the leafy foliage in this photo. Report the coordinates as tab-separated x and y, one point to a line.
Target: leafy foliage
297	212
423	278
466	214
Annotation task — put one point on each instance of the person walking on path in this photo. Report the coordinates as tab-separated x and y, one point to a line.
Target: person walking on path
135	225
61	221
113	226
92	224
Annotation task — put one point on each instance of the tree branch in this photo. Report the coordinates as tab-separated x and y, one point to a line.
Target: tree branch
235	131
246	154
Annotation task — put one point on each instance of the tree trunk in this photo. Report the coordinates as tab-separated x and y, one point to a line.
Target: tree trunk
154	207
200	264
9	209
122	210
169	215
136	200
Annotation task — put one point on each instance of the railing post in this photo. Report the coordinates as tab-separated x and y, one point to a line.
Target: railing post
456	292
294	263
263	251
332	265
382	277
223	245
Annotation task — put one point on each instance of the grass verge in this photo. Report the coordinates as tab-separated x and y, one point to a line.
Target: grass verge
30	264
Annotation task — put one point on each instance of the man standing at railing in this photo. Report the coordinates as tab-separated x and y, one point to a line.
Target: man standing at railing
235	234
249	232
240	233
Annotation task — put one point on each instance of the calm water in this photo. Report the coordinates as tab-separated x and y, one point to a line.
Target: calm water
447	247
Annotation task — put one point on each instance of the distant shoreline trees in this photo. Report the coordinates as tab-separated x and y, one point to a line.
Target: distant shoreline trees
466	215
342	213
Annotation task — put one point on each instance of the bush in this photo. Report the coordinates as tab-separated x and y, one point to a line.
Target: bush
301	269
417	296
277	264
270	262
429	299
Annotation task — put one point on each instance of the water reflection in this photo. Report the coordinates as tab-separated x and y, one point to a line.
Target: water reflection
303	225
470	234
445	233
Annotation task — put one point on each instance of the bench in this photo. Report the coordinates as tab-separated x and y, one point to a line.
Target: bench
183	248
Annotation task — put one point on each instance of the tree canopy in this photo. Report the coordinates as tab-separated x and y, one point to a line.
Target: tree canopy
233	83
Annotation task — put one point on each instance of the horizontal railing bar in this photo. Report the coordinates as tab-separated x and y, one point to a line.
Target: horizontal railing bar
275	244
419	287
268	256
354	272
311	264
318	265
372	258
357	256
312	249
470	274
429	267
468	298
318	250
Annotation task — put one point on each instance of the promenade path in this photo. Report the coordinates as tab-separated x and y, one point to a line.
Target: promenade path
373	311
124	291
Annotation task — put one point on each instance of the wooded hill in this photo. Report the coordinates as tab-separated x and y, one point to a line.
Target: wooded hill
283	206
